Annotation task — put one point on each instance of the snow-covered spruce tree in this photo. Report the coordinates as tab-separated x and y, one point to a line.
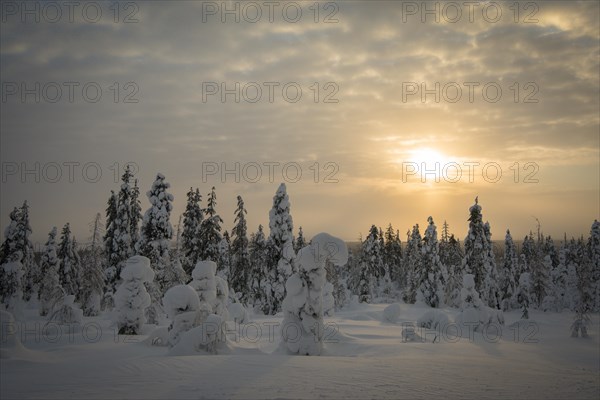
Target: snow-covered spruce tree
299	242
92	279
8	252
77	267
392	254
209	234
538	270
524	294
491	278
240	256
258	263
573	260
281	249
594	250
192	219
69	268
372	262
135	208
510	268
131	298
432	276
50	289
452	259
185	311
472	310
12	293
110	273
204	282
479	258
586	289
303	330
17	247
157	232
413	262
31	273
122	247
224	258
558	279
338	290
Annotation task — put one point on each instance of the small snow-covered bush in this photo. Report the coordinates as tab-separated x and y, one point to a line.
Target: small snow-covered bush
183	309
238	313
131	298
473	312
66	311
433	319
204	282
391	313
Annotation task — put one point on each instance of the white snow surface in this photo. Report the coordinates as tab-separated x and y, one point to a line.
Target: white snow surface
363	358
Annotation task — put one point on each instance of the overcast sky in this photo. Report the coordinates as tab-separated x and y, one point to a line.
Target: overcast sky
368	129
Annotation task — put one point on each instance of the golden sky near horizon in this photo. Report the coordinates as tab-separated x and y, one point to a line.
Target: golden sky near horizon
501	106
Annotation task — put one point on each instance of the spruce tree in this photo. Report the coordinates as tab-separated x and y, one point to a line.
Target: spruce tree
281	250
209	234
479	258
300	242
136	215
452	259
122	245
508	274
224	259
524	294
50	289
372	266
31	274
192	218
92	280
69	265
240	256
258	263
594	250
156	234
9	249
110	273
432	275
413	263
392	254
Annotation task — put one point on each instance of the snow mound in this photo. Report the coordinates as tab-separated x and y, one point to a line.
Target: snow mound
434	319
391	313
158	337
207	337
137	268
238	313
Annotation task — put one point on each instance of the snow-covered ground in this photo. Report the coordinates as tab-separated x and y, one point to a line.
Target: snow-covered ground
365	357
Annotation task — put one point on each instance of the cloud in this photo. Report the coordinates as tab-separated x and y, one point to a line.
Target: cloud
368	55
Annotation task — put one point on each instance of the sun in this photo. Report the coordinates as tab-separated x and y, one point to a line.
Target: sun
426	155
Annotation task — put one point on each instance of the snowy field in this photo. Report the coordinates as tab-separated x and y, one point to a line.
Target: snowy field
365	357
